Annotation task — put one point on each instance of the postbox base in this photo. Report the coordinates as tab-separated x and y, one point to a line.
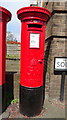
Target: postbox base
2	98
31	100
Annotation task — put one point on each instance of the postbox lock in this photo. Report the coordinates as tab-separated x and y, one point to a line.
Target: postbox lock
40	61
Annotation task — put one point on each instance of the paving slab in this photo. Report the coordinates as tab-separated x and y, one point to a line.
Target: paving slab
51	109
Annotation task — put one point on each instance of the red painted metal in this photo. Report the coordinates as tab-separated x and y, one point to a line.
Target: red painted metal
5	16
33	25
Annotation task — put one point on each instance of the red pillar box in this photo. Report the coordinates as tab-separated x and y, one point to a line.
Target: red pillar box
33	27
5	16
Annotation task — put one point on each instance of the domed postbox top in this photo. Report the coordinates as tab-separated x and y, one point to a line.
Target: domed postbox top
6	12
34	12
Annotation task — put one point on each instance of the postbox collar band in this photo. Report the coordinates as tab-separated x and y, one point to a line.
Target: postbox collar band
35	11
6	12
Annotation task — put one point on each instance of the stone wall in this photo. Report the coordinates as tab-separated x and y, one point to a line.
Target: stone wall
56	40
13	50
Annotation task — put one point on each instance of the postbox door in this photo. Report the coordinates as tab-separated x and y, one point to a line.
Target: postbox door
33	55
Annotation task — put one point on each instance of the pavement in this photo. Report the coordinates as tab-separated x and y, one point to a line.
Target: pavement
51	109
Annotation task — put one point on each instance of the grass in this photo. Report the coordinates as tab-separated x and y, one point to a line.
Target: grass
14	101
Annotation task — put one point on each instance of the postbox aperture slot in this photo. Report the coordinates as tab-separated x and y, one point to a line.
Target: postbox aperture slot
34	40
34	26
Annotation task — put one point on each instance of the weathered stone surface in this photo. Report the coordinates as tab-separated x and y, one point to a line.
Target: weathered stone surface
53	82
59	24
16	85
57	34
60	6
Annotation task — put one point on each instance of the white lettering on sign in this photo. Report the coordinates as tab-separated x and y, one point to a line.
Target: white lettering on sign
60	63
34	40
